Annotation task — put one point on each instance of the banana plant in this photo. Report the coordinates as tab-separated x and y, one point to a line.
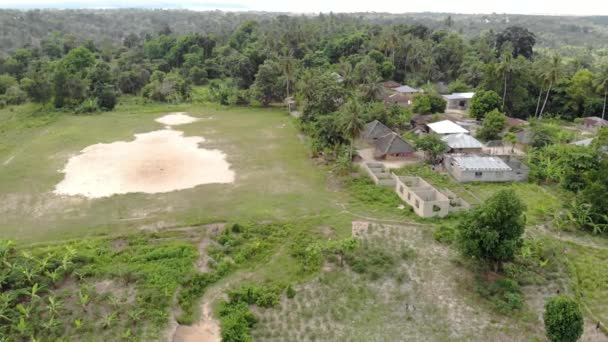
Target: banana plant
54	306
83	299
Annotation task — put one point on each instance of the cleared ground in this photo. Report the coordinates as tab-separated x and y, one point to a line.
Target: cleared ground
275	179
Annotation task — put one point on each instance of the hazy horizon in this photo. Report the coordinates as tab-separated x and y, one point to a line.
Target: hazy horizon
541	7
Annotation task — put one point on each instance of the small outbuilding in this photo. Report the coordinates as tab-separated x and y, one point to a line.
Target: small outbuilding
400	99
462	143
375	130
485	168
458	101
594	123
445	127
392	146
404	89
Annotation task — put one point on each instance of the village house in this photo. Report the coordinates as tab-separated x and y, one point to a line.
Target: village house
445	127
458	101
462	143
594	123
485	168
404	89
374	130
400	99
392	146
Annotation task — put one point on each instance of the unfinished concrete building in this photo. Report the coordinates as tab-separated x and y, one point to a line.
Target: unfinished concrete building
425	199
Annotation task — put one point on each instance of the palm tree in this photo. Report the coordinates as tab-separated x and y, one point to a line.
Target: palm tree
505	67
345	69
552	74
351	123
371	89
288	67
539	77
602	84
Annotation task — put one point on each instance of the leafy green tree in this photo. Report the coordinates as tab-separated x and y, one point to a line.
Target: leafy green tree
493	231
484	101
268	85
428	103
511	139
107	98
38	88
580	90
78	60
288	68
520	39
6	81
321	93
14	96
563	319
493	124
567	165
433	147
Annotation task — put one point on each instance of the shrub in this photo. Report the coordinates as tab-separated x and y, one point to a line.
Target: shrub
563	319
14	96
445	234
87	106
504	294
290	292
107	99
373	262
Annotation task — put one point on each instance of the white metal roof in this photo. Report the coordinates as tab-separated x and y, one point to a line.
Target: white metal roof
461	140
458	96
407	89
481	163
584	142
446	127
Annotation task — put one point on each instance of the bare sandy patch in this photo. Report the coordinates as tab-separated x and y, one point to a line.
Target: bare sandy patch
155	162
206	330
175	119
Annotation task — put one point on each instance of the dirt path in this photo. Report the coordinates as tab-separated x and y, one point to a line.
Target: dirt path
566	237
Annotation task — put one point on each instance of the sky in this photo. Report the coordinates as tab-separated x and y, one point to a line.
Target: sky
550	7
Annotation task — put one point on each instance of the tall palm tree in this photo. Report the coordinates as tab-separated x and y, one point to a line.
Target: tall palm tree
345	69
505	67
602	84
539	77
372	88
552	74
351	123
288	67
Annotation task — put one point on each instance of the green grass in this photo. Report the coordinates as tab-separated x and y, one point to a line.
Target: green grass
275	179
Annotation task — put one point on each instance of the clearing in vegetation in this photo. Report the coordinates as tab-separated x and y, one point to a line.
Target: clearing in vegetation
158	161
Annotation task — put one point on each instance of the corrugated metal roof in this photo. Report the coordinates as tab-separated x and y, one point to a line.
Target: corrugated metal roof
392	143
458	96
375	130
446	127
407	89
461	140
481	163
584	142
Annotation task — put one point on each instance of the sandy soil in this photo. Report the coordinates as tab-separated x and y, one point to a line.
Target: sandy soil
174	119
206	330
155	162
367	156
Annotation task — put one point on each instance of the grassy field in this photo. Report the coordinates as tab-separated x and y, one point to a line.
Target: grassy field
275	179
